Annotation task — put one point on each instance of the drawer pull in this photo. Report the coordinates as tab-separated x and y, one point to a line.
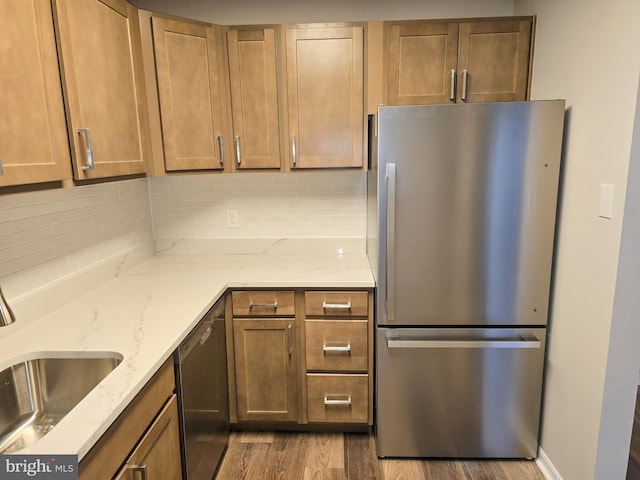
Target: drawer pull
341	306
336	401
141	469
273	305
336	348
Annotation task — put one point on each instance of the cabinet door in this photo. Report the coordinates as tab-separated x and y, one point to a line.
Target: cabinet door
254	98
325	97
33	136
265	359
421	63
493	61
158	453
101	62
188	70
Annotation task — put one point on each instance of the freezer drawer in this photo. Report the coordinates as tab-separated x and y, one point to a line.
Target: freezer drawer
459	393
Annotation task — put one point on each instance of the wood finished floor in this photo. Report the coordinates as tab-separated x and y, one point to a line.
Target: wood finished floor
633	468
348	456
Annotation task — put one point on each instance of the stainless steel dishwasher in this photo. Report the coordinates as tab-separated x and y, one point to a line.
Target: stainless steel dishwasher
201	381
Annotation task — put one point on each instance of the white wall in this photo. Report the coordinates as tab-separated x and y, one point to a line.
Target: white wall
241	12
584	53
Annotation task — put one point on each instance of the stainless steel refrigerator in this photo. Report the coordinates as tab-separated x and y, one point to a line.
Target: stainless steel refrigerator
461	221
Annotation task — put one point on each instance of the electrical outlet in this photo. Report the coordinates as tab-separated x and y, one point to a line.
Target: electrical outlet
232	218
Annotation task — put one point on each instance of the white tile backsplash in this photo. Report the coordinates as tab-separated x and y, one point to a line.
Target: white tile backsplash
269	205
53	235
50	234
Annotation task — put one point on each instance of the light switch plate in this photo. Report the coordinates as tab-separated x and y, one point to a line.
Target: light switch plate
606	201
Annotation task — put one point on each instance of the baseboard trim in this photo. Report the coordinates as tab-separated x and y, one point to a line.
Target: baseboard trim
546	467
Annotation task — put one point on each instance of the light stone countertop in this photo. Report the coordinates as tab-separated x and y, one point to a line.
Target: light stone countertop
144	313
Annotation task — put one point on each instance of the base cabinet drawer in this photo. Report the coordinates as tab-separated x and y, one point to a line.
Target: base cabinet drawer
338	398
336	345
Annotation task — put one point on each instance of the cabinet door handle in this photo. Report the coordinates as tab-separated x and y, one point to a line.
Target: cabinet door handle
336	401
452	95
89	149
237	149
221	146
294	154
1	169
142	469
336	348
290	338
343	306
464	84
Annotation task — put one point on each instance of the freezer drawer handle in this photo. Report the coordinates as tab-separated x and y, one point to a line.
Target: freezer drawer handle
336	348
342	306
506	343
335	401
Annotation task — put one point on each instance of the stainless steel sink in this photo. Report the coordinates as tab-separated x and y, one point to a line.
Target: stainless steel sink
35	394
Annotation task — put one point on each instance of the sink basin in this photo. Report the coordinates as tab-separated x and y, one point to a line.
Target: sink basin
35	394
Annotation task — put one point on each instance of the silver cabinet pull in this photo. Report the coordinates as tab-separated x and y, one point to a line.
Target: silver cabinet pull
391	243
142	469
336	348
221	146
237	142
294	154
343	306
290	338
273	305
87	143
492	343
452	95
464	84
1	169
335	401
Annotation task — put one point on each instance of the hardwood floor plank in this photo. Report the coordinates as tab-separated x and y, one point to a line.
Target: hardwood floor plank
517	469
403	469
315	473
254	437
287	456
244	461
482	470
360	456
325	450
449	469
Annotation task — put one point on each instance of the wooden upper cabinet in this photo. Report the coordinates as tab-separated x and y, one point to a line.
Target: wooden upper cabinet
495	56
99	45
33	135
422	60
325	95
447	62
254	98
188	67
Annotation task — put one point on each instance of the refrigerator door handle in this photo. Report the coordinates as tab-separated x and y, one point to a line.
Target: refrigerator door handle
488	343
391	244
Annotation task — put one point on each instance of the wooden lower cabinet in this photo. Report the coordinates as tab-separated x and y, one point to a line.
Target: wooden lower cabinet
300	356
158	453
338	398
146	433
266	369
